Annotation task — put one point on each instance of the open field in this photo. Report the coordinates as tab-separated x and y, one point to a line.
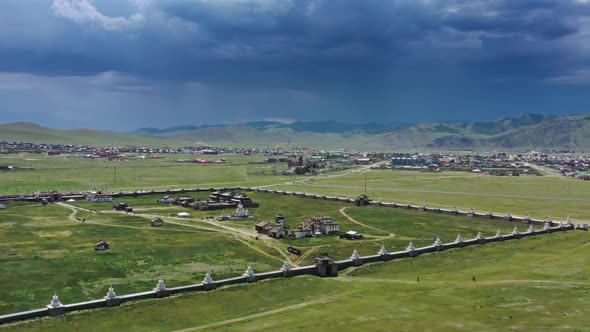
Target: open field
538	283
47	249
75	173
520	285
540	196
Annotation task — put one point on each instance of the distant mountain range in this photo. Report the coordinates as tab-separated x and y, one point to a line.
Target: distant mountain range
322	127
524	132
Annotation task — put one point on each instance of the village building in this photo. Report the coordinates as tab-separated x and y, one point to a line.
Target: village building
322	225
98	197
167	199
278	232
301	233
183	215
225	199
157	221
101	245
184	201
263	227
316	226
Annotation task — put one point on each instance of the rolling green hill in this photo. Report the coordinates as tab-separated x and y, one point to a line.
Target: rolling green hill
30	132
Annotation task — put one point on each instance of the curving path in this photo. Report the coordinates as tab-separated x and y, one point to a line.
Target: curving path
262	314
345	215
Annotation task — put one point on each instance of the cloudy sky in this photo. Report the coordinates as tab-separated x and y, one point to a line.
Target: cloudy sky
124	64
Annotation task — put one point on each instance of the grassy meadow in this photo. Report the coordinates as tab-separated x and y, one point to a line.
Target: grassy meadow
76	173
520	285
46	248
539	283
540	196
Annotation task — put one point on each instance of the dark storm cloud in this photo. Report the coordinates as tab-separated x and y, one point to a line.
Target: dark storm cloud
293	59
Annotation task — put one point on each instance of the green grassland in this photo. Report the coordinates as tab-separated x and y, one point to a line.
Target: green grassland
74	173
538	283
520	285
540	196
47	249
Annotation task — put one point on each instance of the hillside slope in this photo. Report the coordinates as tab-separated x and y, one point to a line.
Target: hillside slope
525	132
30	132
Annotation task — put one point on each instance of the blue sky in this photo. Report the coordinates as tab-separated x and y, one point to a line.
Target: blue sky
124	64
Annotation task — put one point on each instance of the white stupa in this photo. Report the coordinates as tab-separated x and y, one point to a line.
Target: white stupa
498	234
459	239
515	231
471	212
55	303
508	215
285	267
408	205
437	241
410	246
160	286
549	220
531	229
249	272
382	251
527	217
355	255
111	295
455	209
568	221
489	214
208	280
546	226
240	212
479	236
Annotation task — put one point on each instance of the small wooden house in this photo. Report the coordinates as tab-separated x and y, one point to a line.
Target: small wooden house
157	222
101	245
263	227
278	232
